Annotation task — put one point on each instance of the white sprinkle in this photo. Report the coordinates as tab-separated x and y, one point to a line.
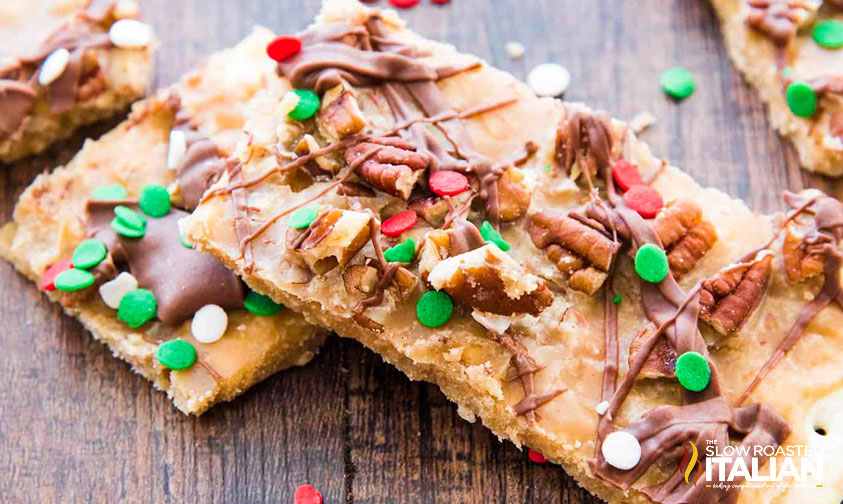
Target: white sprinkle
53	66
178	146
209	323
602	407
289	102
113	291
621	450
130	34
492	322
514	49
549	79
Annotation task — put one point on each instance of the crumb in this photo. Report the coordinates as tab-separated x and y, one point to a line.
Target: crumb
515	50
641	122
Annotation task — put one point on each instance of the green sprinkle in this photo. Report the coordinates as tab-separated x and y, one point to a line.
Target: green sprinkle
307	105
303	217
154	200
401	253
73	280
678	82
492	236
692	371
651	263
434	309
801	99
547	169
260	304
617	299
122	229
137	308
176	354
89	253
184	242
129	217
829	34
109	192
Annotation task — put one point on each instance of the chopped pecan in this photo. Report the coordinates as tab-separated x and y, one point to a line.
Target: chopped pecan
435	209
780	19
661	363
340	114
354	189
584	137
331	240
513	196
583	253
489	280
685	235
394	168
802	259
360	279
439	245
729	297
322	165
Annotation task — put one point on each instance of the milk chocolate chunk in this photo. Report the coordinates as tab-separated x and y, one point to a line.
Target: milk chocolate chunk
728	298
684	234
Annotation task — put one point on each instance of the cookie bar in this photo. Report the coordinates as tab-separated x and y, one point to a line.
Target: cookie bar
791	53
101	238
67	63
534	260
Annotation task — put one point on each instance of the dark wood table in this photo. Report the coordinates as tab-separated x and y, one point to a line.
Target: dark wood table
77	426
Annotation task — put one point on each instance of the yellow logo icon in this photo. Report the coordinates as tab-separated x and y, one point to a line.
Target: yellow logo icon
689	462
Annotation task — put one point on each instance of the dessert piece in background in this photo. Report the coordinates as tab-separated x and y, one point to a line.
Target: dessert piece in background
67	63
101	237
534	260
791	53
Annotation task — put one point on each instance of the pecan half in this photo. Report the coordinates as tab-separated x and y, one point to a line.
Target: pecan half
331	240
729	297
780	19
581	252
394	168
585	137
340	115
489	280
802	259
661	363
685	235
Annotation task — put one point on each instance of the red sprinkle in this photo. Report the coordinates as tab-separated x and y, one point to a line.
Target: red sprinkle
398	223
644	199
283	47
306	494
448	182
536	457
48	279
404	4
626	174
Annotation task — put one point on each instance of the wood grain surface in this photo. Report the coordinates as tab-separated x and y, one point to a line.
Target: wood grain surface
77	426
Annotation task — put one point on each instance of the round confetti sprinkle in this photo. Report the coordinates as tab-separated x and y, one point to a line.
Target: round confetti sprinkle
260	304
621	450
209	323
53	66
184	242
109	192
692	371
644	199
801	99
678	82
404	4
283	47
307	105
626	174
434	309
306	494
536	457
651	263
48	278
491	235
549	79
154	200
122	229
89	253
448	182
303	217
137	308
129	217
176	354
113	291
401	253
829	34
399	223
73	280
617	299
130	34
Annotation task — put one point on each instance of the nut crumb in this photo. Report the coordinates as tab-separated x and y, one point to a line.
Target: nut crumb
641	121
515	50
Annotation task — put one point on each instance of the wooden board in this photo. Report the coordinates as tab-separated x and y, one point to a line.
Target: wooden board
78	426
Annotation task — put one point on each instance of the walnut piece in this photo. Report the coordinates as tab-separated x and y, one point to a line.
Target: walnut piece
331	240
489	280
394	168
661	363
802	260
780	19
580	251
729	297
340	115
685	235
